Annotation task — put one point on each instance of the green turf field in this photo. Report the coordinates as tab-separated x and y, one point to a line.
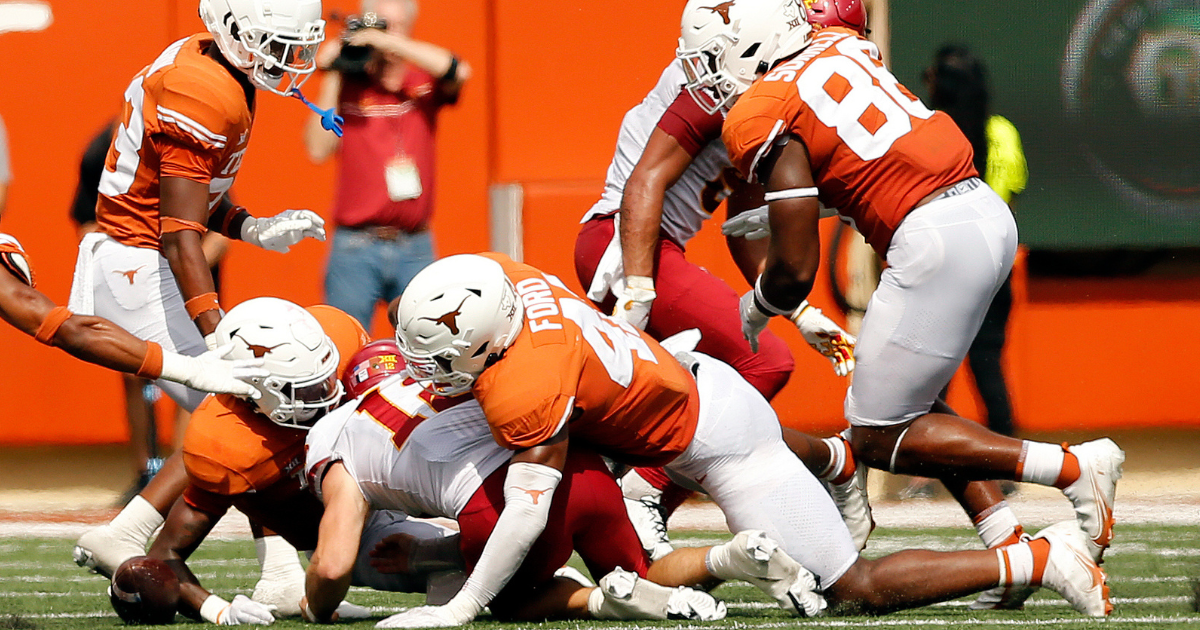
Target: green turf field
1151	569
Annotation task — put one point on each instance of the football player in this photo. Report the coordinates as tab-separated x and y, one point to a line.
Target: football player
826	122
97	340
400	447
183	134
249	454
549	370
669	174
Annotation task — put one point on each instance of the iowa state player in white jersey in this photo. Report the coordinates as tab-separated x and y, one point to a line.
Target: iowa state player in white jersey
669	174
827	119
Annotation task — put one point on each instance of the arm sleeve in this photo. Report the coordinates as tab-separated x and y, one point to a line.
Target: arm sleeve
748	136
689	125
530	424
528	492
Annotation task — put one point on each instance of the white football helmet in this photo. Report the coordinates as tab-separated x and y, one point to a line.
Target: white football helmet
267	39
455	318
302	360
725	46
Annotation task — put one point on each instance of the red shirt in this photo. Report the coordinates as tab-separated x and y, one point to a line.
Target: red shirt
380	127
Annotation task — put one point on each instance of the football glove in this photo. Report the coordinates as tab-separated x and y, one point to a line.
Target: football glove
634	300
753	319
751	225
240	611
280	232
826	337
212	372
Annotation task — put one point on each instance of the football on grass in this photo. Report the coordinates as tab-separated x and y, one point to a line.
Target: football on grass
144	591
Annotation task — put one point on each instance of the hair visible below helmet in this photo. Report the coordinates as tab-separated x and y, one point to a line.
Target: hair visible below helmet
267	39
725	46
372	365
849	14
455	318
302	385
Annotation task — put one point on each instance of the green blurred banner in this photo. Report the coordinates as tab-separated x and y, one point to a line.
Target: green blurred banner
1106	96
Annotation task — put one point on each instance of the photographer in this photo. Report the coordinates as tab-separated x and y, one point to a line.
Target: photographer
389	88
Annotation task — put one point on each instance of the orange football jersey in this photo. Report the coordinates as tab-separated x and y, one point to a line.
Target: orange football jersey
619	390
184	116
875	149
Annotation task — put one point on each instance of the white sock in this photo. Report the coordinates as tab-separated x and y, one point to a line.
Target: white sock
277	558
998	526
137	521
1042	463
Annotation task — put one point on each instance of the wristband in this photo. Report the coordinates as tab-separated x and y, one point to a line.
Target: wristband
152	365
201	304
54	320
234	218
212	608
643	283
452	71
166	225
791	193
795	316
763	305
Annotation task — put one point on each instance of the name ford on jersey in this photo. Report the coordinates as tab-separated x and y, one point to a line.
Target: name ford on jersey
540	304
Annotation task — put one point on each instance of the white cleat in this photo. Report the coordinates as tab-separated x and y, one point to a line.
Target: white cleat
1071	572
759	560
102	550
1003	598
1094	492
628	597
850	496
649	520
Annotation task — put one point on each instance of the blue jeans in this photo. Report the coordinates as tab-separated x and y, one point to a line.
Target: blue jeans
364	270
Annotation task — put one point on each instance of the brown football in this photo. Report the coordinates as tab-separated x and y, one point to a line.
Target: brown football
144	591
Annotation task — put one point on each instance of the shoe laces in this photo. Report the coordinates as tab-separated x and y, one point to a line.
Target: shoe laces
660	523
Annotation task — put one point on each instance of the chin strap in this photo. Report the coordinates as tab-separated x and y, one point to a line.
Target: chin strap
330	121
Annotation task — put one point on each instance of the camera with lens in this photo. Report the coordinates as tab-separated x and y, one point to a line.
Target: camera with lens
353	59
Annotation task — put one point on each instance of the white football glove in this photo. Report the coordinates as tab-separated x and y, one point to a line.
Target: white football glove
826	337
447	616
280	232
212	372
634	301
753	319
210	340
346	610
751	225
242	610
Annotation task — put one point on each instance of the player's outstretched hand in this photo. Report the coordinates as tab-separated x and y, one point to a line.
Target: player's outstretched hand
280	232
826	337
753	319
425	617
243	610
346	610
634	300
751	225
213	372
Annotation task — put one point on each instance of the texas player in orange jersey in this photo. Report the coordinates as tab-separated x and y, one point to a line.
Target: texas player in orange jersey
825	119
183	135
104	548
250	455
548	369
97	340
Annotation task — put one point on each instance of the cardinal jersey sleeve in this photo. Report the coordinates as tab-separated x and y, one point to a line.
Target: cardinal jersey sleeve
689	125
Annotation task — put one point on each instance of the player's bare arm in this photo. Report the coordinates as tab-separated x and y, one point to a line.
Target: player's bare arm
662	163
186	201
749	255
183	531
795	248
332	563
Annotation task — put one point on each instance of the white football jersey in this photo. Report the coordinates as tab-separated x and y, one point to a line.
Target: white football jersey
407	450
683	208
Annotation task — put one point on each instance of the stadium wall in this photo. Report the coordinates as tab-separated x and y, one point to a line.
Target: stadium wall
551	82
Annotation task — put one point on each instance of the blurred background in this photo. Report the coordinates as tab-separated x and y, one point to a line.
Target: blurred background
1104	335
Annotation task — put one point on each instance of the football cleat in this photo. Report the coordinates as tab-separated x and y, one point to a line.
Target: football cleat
649	520
1071	572
846	483
627	596
757	559
1003	598
1094	492
102	549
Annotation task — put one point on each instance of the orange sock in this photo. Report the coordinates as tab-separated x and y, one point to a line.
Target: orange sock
1041	556
1023	563
1070	470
